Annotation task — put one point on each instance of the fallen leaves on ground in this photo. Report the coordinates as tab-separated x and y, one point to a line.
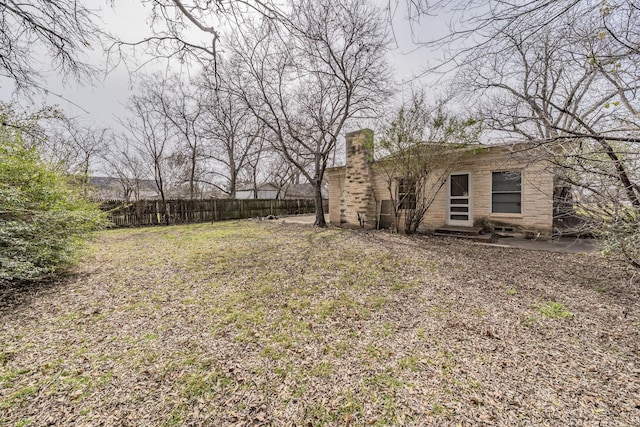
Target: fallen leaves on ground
252	323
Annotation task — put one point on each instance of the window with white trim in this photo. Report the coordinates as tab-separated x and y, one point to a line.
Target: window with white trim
506	192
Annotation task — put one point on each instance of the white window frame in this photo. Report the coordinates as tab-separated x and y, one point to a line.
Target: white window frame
515	214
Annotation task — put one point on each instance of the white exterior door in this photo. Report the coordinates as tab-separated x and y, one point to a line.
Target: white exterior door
459	199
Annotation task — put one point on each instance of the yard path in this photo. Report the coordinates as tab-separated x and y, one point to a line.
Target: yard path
263	323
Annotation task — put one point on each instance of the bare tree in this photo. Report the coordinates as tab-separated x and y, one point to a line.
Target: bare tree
151	132
256	165
39	129
235	137
183	106
419	148
76	148
189	31
61	29
305	80
281	172
127	167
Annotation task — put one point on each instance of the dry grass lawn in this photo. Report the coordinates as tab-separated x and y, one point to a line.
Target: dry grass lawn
261	323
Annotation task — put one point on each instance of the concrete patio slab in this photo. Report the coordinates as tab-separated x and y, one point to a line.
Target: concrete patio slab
564	244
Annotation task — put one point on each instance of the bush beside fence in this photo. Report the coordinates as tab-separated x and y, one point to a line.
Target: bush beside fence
155	212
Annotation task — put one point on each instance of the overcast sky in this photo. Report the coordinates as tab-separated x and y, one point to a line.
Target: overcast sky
102	103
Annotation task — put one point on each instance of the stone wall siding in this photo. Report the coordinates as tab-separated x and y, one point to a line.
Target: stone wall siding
357	199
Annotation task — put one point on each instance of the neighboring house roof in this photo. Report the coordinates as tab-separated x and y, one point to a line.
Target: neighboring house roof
303	191
288	191
266	186
103	181
107	181
110	188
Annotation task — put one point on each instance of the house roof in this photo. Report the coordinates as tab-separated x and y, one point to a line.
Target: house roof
107	182
265	186
302	191
289	191
110	188
505	146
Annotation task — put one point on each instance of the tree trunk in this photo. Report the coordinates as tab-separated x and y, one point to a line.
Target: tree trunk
232	186
320	222
233	178
192	176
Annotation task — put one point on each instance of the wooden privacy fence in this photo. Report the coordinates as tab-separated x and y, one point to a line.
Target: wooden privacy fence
155	212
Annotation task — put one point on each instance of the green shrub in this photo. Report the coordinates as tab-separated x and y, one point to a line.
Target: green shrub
43	219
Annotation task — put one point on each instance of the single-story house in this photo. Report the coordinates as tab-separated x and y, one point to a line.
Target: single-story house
491	188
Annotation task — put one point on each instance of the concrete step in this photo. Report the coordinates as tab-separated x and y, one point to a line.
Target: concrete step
459	231
487	238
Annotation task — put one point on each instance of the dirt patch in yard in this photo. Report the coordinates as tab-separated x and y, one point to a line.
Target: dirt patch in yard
263	323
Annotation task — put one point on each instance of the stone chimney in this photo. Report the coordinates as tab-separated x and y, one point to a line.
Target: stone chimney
357	201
